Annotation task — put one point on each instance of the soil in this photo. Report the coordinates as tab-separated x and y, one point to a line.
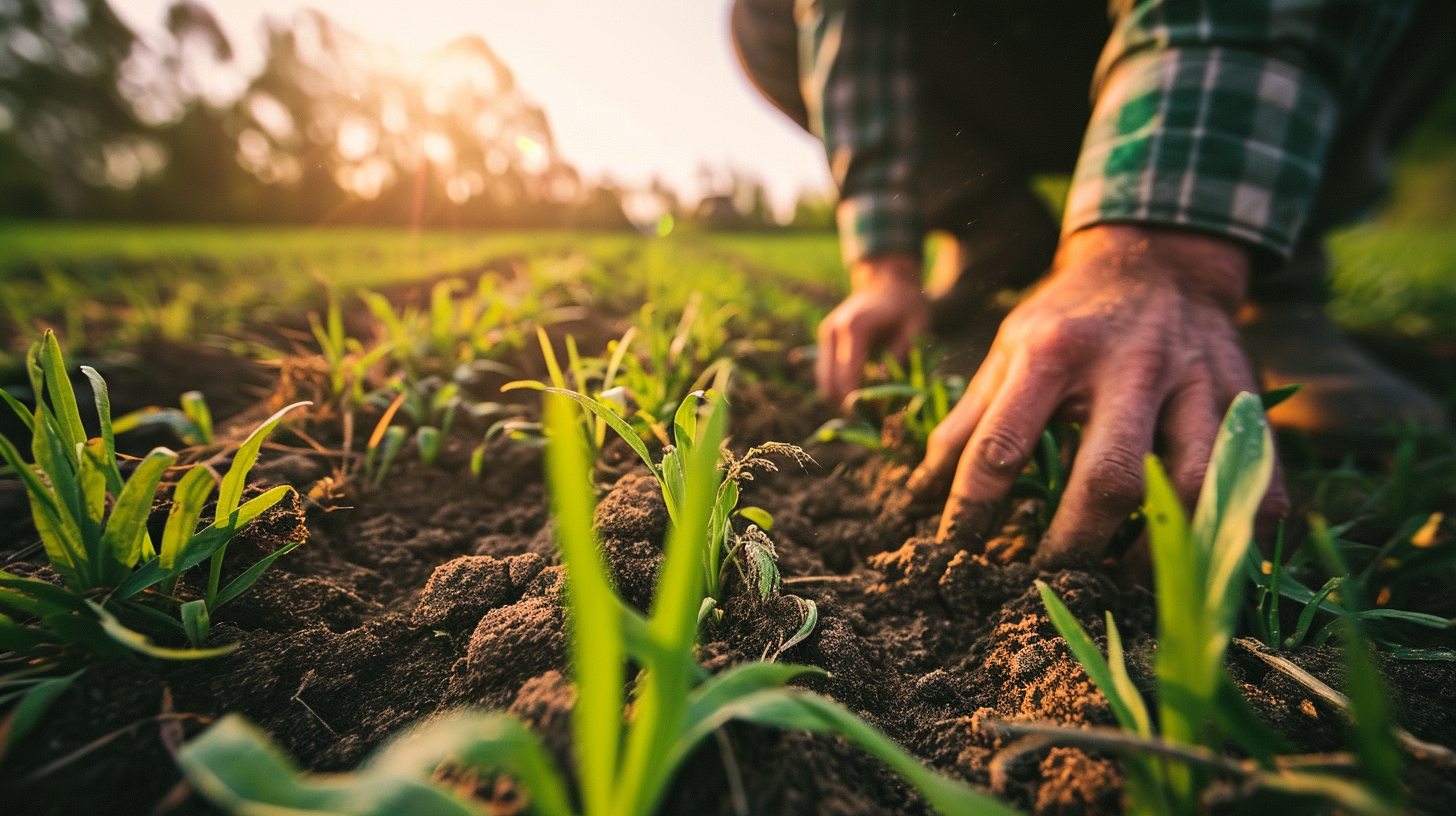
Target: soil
439	590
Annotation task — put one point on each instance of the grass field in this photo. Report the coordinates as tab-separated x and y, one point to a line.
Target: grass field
1389	279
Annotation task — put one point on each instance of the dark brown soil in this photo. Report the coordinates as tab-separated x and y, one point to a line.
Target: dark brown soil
439	590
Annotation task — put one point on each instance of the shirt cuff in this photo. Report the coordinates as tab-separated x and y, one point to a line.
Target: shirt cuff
878	224
1220	140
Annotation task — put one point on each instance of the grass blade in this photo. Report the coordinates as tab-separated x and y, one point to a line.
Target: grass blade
617	424
128	522
1086	651
662	703
1238	476
250	576
795	709
62	396
597	650
196	622
231	491
138	642
32	706
108	435
26	417
187	502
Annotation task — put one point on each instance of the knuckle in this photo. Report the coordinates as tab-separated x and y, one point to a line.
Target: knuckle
1001	452
1116	479
1066	336
1189	478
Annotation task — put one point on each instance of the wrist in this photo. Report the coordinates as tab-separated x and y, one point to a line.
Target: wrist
1204	267
894	269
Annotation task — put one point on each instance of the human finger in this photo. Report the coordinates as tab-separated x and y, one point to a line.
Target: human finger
1106	483
1188	427
1000	446
943	448
851	350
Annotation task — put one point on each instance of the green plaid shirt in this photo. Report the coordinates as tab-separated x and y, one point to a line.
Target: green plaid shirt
1210	114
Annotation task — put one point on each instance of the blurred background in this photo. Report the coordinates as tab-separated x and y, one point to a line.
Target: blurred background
428	113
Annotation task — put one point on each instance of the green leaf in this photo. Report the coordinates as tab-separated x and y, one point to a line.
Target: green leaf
1374	723
62	396
597	650
128	522
196	622
108	435
138	642
239	769
731	686
1085	650
1238	476
1306	615
616	423
188	499
427	438
662	701
231	491
796	709
250	576
194	405
32	706
759	516
1274	396
1117	665
20	410
54	596
203	545
59	533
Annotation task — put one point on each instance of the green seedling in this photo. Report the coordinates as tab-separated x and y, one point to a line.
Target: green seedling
1379	575
595	377
688	438
924	399
93	526
192	422
454	330
626	757
678	358
349	363
1198	575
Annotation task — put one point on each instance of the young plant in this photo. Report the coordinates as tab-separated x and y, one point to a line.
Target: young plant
93	527
689	437
454	330
1418	550
594	377
626	758
192	422
923	398
1198	576
349	363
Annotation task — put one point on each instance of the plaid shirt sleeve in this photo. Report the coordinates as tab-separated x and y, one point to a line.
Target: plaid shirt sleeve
859	87
1218	115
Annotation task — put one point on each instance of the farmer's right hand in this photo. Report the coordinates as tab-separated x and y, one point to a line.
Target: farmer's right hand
886	308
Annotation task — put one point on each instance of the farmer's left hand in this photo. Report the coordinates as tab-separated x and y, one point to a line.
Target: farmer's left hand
1132	335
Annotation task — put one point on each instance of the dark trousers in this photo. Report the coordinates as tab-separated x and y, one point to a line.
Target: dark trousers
1005	95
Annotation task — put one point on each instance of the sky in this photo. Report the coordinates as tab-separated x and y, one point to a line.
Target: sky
633	88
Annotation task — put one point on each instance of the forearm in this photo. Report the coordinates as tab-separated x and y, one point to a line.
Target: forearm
860	91
1210	120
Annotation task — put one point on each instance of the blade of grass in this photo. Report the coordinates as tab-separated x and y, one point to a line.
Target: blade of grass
597	653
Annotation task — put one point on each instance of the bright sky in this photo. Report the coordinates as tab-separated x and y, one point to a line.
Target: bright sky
632	88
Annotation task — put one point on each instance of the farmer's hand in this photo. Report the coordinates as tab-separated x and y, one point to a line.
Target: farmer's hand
886	308
1132	335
